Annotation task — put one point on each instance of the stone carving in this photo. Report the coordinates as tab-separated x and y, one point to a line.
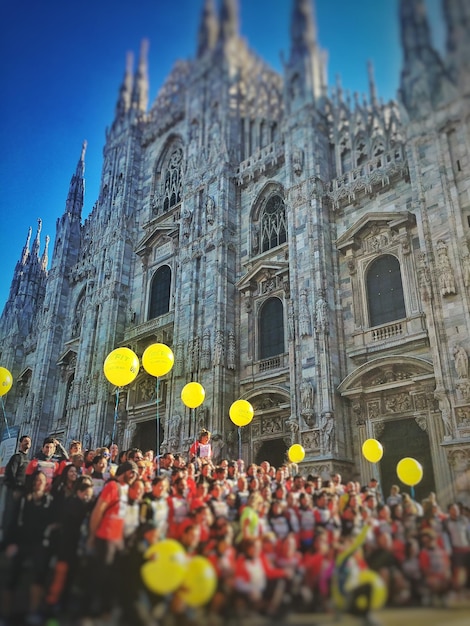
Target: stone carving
231	351
272	425
328	431
321	314
373	409
311	440
306	398
463	416
466	265
379	428
422	422
187	218
460	361
255	238
297	160
146	389
179	359
206	349
195	353
290	320
424	279
445	272
210	210
292	424
218	445
358	412
304	315
463	387
174	428
219	351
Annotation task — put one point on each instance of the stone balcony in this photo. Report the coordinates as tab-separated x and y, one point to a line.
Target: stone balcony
151	327
376	174
258	162
386	337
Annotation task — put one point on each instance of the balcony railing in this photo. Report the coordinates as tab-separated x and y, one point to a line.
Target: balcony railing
149	327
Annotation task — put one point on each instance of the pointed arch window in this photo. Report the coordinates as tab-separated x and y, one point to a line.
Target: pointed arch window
271	329
173	180
385	291
160	292
273	224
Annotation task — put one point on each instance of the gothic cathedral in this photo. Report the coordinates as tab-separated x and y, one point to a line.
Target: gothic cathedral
297	248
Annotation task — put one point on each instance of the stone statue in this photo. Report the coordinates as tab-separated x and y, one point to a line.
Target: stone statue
187	218
306	397
231	350
321	314
328	431
219	348
460	361
206	349
210	210
446	275
304	315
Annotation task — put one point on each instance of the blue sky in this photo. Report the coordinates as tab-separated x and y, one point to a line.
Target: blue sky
62	63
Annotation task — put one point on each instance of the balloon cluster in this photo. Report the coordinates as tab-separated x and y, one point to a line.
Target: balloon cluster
409	470
168	569
121	366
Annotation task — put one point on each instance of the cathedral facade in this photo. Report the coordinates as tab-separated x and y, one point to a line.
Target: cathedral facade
295	247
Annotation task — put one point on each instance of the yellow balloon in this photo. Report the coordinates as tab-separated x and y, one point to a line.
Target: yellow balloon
199	583
158	359
372	450
121	366
165	567
378	597
409	471
241	412
193	395
296	453
6	381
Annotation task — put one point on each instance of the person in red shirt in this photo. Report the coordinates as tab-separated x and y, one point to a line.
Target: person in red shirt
106	537
201	448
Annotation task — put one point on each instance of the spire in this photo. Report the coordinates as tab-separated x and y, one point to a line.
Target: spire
306	69
125	93
229	24
25	254
422	73
76	193
415	35
457	17
37	241
140	94
208	28
372	87
303	28
45	257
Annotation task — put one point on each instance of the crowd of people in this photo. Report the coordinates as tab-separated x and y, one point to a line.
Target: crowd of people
82	520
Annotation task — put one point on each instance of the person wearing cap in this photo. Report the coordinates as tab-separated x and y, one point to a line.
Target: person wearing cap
106	535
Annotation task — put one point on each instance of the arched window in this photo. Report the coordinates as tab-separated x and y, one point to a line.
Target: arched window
160	292
271	329
173	182
273	224
385	291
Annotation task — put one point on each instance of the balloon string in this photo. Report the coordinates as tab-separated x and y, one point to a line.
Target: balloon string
412	493
5	417
157	400
239	442
116	406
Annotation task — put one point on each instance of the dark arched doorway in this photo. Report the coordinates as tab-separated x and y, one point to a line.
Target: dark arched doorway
145	435
274	451
404	438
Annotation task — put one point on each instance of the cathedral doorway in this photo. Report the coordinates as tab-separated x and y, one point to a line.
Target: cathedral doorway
145	435
404	438
274	451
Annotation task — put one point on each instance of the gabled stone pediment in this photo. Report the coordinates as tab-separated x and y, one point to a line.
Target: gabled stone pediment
165	231
388	371
262	270
67	357
391	220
